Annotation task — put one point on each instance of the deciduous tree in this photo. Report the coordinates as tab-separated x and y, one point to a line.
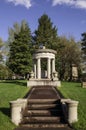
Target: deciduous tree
68	53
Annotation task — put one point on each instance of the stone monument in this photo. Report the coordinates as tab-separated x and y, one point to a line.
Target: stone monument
74	72
51	76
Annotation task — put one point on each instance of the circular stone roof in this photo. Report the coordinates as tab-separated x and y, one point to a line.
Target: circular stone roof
45	51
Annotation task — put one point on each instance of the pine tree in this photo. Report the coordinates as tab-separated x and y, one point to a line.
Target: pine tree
46	34
20	60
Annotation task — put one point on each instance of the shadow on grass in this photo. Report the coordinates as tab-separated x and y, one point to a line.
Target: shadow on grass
17	82
5	111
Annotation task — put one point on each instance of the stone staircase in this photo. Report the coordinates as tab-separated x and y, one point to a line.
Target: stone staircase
43	114
44	111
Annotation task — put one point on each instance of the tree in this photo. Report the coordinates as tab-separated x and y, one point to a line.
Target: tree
5	72
46	33
1	52
83	48
68	53
20	61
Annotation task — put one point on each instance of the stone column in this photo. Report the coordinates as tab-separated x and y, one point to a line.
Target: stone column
16	110
35	69
53	65
48	68
38	68
72	111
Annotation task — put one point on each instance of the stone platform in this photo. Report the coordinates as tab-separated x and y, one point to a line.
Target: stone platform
43	82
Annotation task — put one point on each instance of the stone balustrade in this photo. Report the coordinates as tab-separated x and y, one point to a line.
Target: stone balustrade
71	110
69	107
16	110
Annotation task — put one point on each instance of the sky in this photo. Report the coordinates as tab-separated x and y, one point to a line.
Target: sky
69	16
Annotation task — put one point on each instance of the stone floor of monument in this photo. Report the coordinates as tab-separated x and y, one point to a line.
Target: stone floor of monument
43	111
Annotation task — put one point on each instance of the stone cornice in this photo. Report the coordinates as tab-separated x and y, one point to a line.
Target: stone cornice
45	51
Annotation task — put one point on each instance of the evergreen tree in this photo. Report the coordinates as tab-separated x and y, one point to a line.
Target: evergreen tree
46	34
20	60
83	48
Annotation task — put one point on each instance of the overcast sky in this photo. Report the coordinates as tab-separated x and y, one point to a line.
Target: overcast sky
69	16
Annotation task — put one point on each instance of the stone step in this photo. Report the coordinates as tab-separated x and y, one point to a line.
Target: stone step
52	112
59	128
43	101
43	106
44	125
27	120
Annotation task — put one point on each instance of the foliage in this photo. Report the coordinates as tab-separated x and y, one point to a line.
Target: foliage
68	53
46	34
76	92
5	72
1	52
9	90
20	61
83	44
83	48
22	46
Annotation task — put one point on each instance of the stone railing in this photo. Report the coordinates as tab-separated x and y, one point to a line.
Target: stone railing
16	110
70	110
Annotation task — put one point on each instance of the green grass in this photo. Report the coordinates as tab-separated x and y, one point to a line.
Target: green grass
9	90
76	92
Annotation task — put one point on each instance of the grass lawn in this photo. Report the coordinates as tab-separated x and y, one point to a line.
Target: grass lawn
76	92
9	90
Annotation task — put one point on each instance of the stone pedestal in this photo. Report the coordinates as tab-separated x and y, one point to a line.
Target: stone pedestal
83	84
72	111
74	72
16	109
